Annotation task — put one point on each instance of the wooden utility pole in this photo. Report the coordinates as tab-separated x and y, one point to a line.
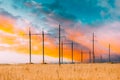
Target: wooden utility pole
72	48
81	56
43	39
109	54
30	52
93	48
59	43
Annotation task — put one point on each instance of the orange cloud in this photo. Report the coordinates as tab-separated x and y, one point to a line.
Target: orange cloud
17	41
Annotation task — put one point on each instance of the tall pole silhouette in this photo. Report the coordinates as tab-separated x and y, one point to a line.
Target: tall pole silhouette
93	48
43	45
59	43
72	48
81	56
109	54
30	45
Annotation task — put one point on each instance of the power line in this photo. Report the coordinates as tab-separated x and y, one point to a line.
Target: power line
72	50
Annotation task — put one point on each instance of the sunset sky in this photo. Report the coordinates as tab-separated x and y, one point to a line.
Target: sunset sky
78	20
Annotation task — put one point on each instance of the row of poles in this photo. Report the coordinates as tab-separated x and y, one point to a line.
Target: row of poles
60	48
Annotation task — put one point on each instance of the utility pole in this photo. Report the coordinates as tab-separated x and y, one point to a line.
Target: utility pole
72	48
59	43
43	39
30	46
93	48
81	56
109	54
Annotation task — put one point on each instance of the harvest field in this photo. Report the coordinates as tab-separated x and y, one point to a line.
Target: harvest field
103	71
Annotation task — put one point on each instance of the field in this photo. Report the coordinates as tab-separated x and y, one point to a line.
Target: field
105	71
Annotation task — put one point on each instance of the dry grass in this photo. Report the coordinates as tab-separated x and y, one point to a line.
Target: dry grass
64	72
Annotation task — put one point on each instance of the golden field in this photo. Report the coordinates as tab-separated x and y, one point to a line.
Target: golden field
103	71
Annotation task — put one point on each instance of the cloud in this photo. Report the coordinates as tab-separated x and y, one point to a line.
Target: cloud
110	8
15	58
78	19
33	4
5	13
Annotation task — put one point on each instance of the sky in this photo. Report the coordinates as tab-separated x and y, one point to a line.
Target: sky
78	20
